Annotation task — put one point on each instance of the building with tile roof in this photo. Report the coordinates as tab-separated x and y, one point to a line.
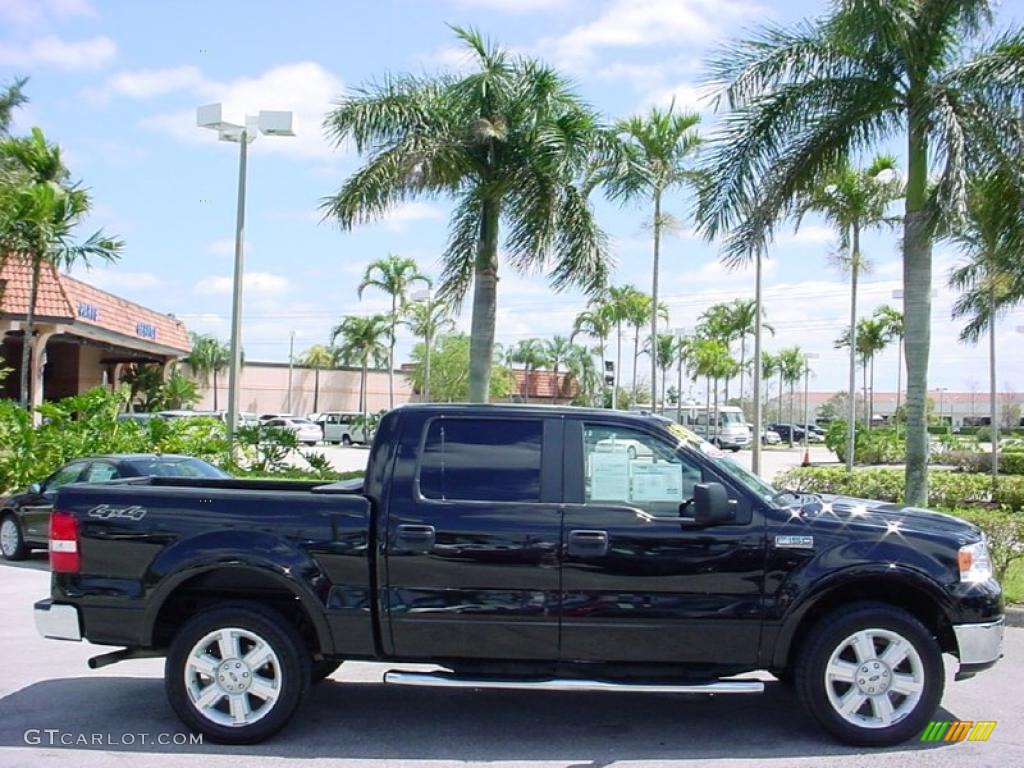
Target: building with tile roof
84	336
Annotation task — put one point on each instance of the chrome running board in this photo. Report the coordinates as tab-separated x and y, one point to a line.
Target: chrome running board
444	680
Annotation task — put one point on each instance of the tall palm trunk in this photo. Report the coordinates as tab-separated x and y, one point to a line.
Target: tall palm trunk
707	412
215	406
362	392
867	404
654	302
664	376
28	332
993	416
792	410
716	410
899	382
391	353
781	389
871	395
917	284
636	356
851	407
743	364
485	302
618	363
316	390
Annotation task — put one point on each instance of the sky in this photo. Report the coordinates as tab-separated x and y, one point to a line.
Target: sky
116	84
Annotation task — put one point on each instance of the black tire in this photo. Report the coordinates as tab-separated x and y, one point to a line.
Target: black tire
735	449
291	672
321	670
346	440
18	550
830	635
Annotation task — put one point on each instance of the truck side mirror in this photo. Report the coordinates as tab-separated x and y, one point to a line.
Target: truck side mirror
712	505
35	489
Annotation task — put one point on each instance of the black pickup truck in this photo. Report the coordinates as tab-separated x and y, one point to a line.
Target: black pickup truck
525	547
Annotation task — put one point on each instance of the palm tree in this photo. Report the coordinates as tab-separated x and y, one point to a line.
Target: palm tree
428	319
362	339
557	353
665	357
12	98
617	303
510	142
40	210
317	357
651	160
742	319
892	321
715	322
769	366
532	355
854	201
992	280
582	370
872	337
790	366
711	359
596	321
637	313
207	359
395	276
929	75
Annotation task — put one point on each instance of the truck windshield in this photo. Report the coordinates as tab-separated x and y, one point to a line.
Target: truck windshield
737	472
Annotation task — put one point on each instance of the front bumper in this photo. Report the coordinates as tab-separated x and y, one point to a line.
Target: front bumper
980	645
59	622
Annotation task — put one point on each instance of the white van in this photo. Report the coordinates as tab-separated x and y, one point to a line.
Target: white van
729	430
340	427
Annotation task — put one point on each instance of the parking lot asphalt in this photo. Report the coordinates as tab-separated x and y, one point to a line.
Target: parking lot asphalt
355	720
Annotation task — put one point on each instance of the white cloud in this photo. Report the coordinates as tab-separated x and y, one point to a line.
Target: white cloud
254	284
146	83
52	51
810	234
635	23
305	88
31	12
451	58
687	97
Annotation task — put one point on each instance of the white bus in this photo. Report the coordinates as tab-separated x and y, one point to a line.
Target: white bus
729	430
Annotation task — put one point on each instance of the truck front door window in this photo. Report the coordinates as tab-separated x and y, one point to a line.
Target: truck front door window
482	460
633	468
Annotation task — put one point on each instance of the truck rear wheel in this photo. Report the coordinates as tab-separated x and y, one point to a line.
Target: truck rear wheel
237	673
870	674
12	542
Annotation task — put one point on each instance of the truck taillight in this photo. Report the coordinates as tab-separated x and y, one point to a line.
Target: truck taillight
65	555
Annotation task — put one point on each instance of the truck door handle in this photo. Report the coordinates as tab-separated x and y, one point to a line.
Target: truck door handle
417	538
588	543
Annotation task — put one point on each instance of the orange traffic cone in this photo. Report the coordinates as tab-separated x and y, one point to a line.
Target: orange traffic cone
807	458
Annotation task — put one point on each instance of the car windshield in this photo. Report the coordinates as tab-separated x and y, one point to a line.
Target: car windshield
731	418
736	471
166	466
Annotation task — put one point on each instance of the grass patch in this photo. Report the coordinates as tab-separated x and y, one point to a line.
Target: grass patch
1013	584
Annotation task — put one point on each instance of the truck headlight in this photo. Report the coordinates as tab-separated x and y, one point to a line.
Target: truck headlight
975	565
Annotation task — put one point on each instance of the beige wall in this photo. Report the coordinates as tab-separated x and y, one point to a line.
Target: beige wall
90	369
264	389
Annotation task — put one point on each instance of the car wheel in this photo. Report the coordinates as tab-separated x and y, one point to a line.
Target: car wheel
237	673
321	670
12	541
870	674
735	449
310	443
346	440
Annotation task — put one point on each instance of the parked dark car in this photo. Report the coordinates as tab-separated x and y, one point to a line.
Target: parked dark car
784	431
524	547
25	517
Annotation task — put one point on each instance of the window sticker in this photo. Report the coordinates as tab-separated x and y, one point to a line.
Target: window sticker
609	476
656	482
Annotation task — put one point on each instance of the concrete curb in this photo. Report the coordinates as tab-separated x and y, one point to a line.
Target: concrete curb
1014	616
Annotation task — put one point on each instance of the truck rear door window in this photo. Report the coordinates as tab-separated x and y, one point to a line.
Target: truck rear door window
482	460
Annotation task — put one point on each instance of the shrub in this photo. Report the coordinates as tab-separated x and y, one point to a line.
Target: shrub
945	489
1004	530
1010	462
881	446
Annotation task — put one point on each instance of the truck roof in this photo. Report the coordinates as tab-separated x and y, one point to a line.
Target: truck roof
540	409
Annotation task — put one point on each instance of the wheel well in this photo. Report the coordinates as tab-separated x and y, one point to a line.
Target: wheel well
231	584
916	602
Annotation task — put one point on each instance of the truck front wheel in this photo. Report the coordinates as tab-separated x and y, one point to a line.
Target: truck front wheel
871	674
237	673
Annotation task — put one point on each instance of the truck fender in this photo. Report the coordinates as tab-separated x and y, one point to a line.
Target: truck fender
897	578
240	550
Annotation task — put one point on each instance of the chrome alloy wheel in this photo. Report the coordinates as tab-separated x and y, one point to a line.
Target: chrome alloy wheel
874	678
233	677
9	537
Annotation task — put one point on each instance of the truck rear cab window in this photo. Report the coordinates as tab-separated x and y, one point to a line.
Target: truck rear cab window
482	460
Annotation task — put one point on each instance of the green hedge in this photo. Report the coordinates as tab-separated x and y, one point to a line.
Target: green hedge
1010	462
945	489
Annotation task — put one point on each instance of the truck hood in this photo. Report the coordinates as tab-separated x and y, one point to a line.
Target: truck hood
885	515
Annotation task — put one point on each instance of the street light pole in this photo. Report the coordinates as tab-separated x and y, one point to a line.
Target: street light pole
291	365
680	335
808	356
268	123
427	297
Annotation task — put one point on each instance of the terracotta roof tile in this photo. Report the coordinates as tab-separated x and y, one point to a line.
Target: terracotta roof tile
72	301
545	384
